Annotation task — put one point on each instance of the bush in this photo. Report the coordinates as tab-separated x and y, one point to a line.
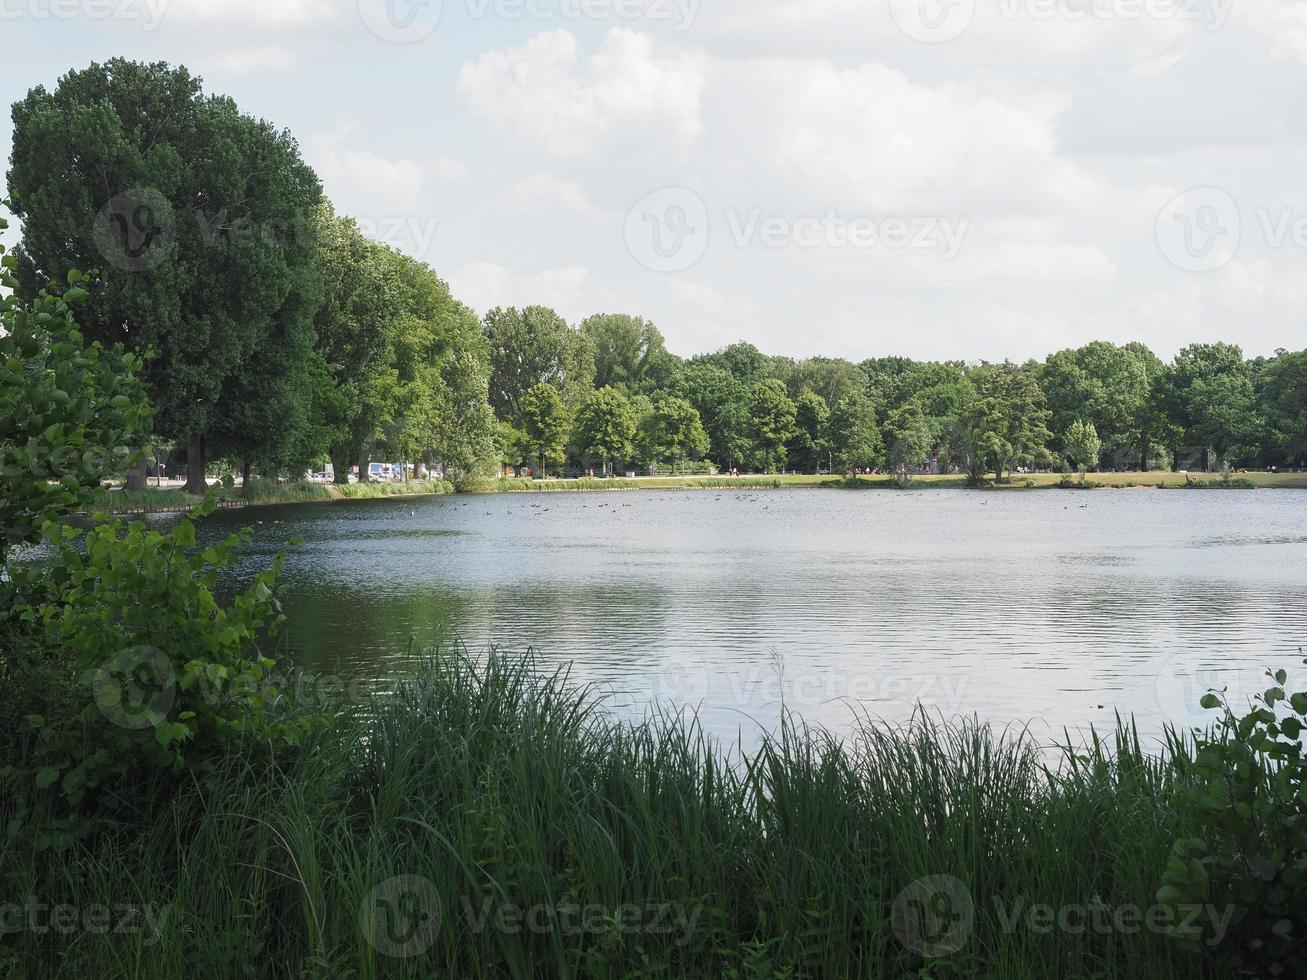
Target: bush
1248	799
148	676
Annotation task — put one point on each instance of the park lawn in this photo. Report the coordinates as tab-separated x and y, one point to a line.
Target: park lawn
267	492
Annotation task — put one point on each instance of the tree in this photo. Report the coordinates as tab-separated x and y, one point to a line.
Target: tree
1082	445
1209	395
605	426
742	361
195	214
442	374
771	420
1005	421
629	352
676	430
811	416
1102	384
829	377
720	400
854	437
1282	398
356	333
545	424
908	437
535	346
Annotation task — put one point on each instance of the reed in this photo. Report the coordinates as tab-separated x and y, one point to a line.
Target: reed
491	820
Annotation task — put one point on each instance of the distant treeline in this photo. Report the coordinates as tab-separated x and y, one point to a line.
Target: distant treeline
279	337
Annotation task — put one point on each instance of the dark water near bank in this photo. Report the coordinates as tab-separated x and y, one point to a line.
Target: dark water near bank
1051	607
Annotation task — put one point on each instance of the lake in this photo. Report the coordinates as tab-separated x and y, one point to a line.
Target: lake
1054	608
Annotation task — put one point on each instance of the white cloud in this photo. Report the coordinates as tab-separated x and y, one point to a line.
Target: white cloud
245	13
361	180
485	285
545	92
270	60
544	191
872	136
443	168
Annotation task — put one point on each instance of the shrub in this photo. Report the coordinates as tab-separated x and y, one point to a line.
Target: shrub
168	678
1248	799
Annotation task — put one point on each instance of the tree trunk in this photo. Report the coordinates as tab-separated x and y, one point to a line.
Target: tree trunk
195	482
339	468
363	467
245	475
136	479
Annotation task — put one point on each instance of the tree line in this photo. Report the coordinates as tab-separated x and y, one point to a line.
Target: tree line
276	336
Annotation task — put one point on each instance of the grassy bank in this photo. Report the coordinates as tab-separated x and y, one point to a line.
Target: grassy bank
650	483
269	492
264	492
486	822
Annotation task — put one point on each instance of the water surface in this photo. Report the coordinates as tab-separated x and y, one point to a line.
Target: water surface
1056	608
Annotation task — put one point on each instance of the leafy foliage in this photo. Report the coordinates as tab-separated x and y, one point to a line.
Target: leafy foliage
771	420
1082	445
67	410
1248	797
605	426
545	425
197	216
853	432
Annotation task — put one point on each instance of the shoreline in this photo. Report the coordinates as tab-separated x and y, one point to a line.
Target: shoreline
167	500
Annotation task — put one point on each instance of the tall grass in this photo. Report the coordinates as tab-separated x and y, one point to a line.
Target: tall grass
494	788
152	498
260	490
361	491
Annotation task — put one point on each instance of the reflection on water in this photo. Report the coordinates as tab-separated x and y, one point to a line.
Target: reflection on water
1045	607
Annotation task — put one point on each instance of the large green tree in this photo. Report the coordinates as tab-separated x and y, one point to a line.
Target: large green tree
545	424
1209	395
742	361
908	437
1104	385
535	346
720	399
629	352
356	333
811	415
605	427
1082	445
676	431
1005	421
829	377
771	420
196	216
1282	396
855	438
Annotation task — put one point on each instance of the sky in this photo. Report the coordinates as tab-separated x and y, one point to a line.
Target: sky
961	179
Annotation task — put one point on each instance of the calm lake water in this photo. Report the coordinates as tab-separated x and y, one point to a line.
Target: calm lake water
1054	608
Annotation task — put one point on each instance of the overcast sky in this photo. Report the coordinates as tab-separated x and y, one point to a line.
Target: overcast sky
935	178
